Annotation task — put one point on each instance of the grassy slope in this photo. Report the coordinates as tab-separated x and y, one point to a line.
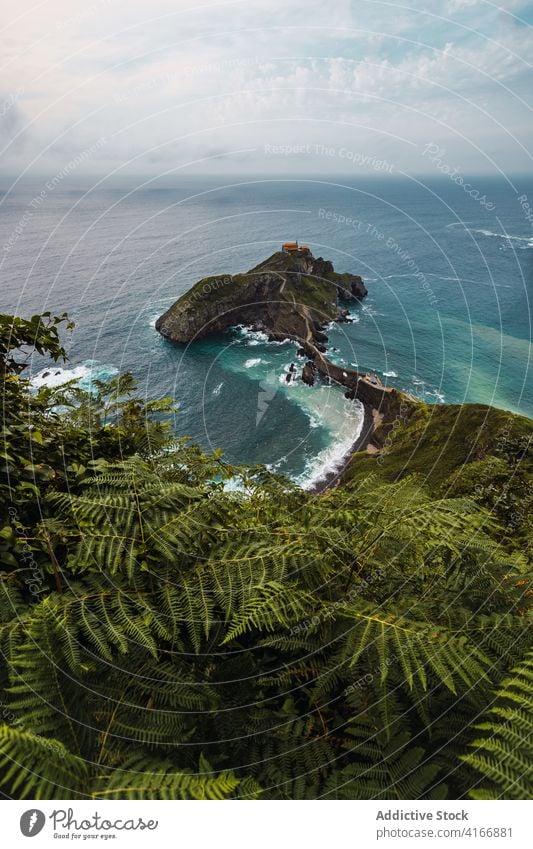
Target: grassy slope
436	441
213	288
318	294
461	450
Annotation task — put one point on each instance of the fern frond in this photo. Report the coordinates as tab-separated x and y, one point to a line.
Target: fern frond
382	768
142	778
38	767
414	647
270	606
503	756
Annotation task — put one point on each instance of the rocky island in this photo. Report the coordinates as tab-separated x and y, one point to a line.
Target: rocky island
290	295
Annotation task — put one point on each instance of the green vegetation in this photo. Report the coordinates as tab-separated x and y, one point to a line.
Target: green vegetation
459	450
212	288
315	293
164	636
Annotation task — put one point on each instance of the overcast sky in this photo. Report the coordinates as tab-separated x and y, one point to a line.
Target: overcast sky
263	86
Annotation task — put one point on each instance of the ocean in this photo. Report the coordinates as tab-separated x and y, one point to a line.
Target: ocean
447	316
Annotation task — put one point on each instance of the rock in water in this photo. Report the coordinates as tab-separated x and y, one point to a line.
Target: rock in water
308	373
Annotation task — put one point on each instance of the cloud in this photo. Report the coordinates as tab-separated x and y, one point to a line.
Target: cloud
169	83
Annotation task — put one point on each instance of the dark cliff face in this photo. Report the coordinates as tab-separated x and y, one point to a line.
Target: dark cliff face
287	295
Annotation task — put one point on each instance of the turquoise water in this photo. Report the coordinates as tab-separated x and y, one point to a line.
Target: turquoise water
447	316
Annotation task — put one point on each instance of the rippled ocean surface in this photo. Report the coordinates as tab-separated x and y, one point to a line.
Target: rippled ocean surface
447	316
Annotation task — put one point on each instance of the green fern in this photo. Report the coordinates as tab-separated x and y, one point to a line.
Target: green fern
324	647
39	768
384	768
503	756
140	778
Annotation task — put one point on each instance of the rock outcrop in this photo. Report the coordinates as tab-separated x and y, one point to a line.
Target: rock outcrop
308	373
287	296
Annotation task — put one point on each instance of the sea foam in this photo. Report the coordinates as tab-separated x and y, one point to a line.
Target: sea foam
84	375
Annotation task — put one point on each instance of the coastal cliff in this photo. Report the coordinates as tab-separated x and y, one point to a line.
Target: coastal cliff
286	296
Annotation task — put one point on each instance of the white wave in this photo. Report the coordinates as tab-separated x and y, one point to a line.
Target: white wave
252	337
426	390
253	361
461	279
396	276
447	279
84	375
259	337
234	484
55	376
216	390
452	279
345	420
390	374
164	306
368	310
491	283
436	394
501	235
336	358
505	236
286	341
273	467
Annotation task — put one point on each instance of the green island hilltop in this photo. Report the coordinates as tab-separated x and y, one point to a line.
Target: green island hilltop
291	294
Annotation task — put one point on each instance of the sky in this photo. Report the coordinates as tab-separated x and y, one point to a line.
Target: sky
300	87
